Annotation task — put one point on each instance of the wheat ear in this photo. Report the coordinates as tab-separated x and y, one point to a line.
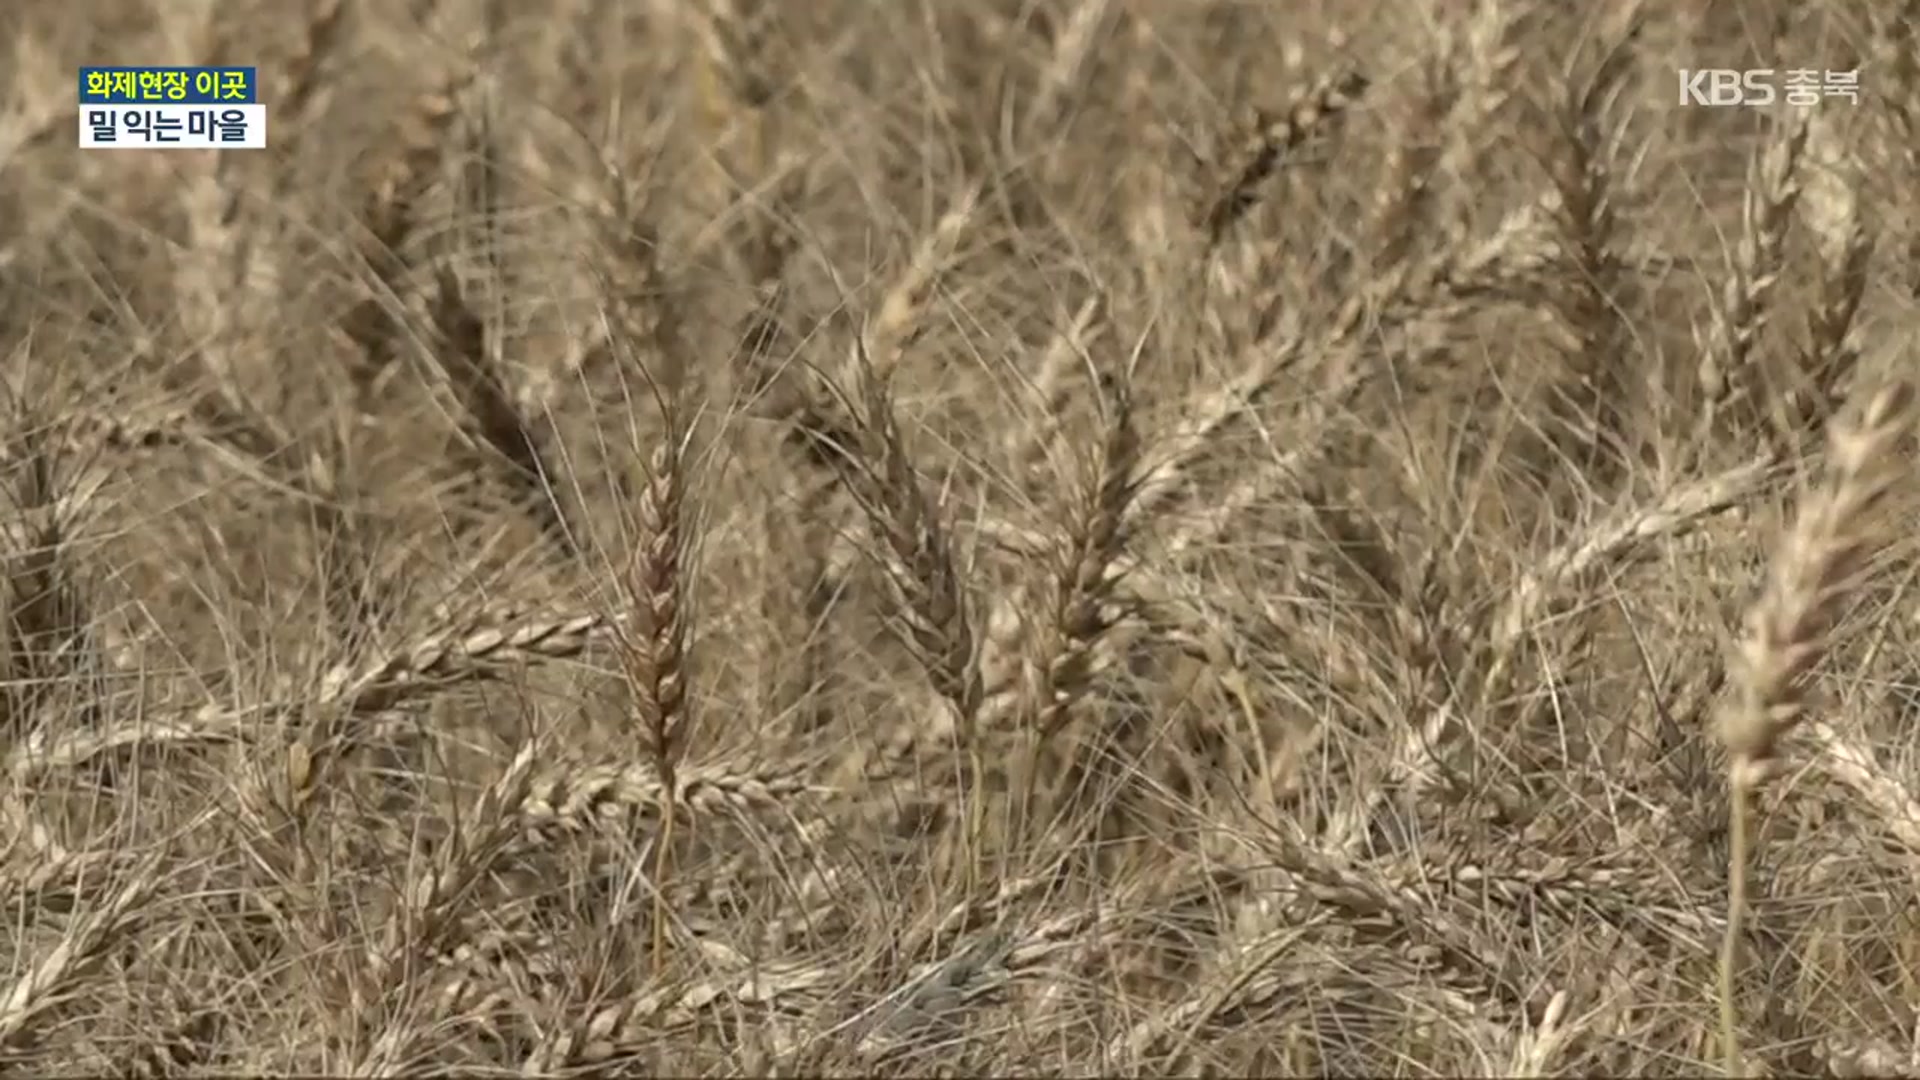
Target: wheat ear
1274	137
925	579
426	920
390	219
1073	45
83	948
1726	368
1831	207
305	69
474	374
654	645
43	608
467	653
1591	389
1814	566
1083	611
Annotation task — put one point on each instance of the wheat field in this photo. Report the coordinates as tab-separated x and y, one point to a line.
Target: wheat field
963	537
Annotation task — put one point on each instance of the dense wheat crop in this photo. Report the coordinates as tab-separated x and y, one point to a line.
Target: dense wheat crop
821	537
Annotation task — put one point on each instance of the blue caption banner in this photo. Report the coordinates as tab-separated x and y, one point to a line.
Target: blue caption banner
169	86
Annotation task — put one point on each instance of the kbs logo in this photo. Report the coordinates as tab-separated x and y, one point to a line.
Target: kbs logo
1725	86
1758	87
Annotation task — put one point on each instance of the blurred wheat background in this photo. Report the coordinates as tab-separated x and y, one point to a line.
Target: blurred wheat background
963	537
